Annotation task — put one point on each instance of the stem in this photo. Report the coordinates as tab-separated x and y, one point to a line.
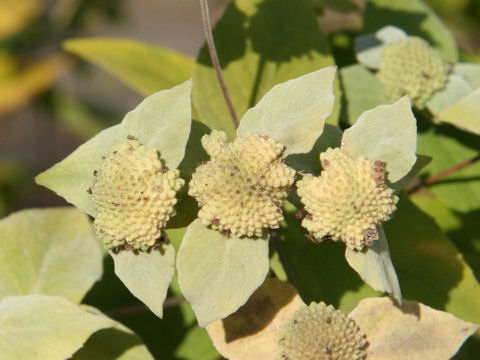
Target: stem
283	259
141	308
435	178
207	29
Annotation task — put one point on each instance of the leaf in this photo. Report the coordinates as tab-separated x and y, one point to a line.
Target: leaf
387	133
471	72
422	162
449	147
144	67
196	345
251	332
413	331
293	113
16	15
48	251
253	60
20	87
457	88
44	327
465	114
375	266
161	121
362	91
429	267
147	275
416	18
369	48
115	343
216	274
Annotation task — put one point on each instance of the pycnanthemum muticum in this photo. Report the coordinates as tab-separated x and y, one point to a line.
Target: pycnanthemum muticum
347	200
319	332
241	189
133	196
410	66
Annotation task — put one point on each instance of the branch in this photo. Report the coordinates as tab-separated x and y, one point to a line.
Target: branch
435	178
281	255
207	29
141	308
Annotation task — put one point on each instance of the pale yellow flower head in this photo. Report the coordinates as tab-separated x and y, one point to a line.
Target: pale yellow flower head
411	67
133	196
319	332
241	189
348	200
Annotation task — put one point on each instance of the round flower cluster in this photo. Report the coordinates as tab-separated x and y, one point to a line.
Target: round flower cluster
319	332
133	196
410	66
241	189
347	200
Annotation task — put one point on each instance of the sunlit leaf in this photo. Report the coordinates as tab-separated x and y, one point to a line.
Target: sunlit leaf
161	121
387	133
362	91
369	48
465	114
44	327
21	86
293	112
253	60
457	88
16	14
252	331
414	17
49	251
471	72
216	274
413	331
375	266
146	68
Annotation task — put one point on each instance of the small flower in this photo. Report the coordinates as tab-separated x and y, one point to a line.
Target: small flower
320	332
411	66
347	200
241	189
133	196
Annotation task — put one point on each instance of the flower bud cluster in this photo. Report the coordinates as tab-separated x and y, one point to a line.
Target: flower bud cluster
241	189
133	196
347	200
319	332
410	66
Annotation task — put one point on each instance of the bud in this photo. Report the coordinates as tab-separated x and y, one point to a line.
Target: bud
133	196
347	200
241	189
319	332
410	66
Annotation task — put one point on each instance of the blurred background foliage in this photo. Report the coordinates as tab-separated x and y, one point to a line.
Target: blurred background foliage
51	101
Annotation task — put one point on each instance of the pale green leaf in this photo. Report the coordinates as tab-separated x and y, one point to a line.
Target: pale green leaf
49	251
465	114
253	60
387	133
413	331
144	67
44	327
216	274
115	343
362	91
375	266
147	275
457	88
161	121
196	345
471	72
422	162
252	331
368	48
415	18
293	112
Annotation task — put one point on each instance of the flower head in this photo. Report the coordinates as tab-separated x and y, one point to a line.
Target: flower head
241	189
347	200
410	66
319	332
133	196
